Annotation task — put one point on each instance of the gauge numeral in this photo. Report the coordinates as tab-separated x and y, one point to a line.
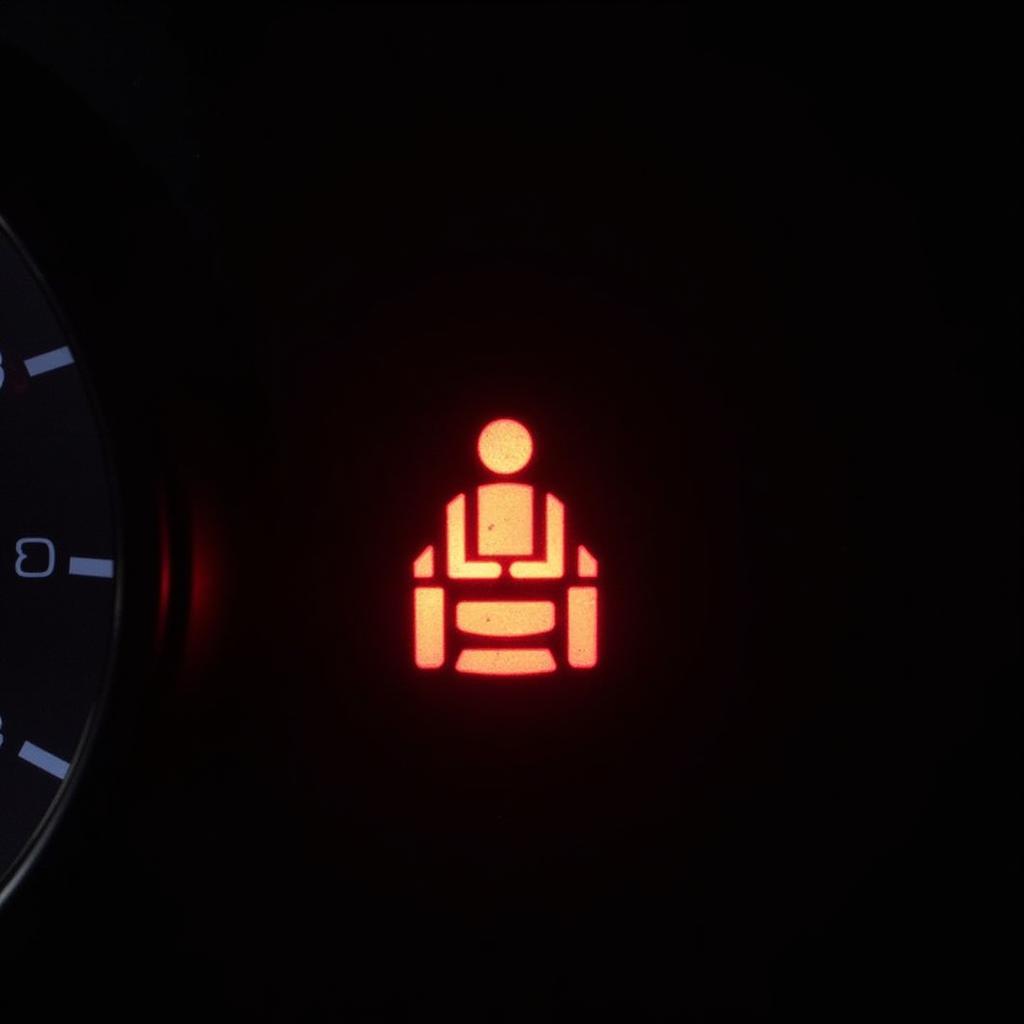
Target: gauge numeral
36	558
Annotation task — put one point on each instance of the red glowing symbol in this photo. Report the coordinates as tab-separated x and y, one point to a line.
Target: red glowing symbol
505	548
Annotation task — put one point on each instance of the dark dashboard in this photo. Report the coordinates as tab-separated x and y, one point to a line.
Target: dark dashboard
667	353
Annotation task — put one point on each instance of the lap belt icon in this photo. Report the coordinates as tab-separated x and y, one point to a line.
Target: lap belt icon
539	614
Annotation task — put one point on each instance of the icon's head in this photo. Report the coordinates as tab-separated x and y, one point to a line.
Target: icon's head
505	446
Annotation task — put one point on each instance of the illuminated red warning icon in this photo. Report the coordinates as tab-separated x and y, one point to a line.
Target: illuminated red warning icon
528	607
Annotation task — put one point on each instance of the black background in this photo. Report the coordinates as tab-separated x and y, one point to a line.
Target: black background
747	280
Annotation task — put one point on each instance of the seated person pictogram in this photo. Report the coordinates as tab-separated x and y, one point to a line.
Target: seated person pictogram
527	616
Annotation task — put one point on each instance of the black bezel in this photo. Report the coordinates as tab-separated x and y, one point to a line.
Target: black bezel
76	203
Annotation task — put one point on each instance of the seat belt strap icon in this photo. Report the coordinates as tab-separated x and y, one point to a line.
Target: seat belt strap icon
494	538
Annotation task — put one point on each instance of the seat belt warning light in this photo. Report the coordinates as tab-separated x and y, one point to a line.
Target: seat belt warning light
495	537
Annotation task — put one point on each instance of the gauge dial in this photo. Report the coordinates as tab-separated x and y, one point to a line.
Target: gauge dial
58	560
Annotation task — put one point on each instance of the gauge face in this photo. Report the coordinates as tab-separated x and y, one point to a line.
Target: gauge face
58	563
